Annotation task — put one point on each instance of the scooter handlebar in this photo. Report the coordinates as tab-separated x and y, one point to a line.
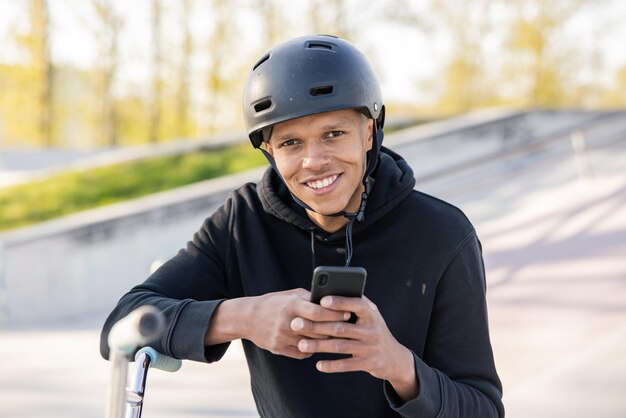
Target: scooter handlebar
139	328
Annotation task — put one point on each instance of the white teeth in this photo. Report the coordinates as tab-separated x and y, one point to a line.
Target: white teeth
318	184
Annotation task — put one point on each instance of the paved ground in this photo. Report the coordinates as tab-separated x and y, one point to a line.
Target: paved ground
555	247
554	250
557	299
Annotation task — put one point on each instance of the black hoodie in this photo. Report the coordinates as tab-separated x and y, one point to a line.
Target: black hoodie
425	274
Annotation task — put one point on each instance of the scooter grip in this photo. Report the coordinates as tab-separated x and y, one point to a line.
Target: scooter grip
159	361
140	327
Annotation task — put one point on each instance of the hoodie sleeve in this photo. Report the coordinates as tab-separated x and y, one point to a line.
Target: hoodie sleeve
457	375
187	289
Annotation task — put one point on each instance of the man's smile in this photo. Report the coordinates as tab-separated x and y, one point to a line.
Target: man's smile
323	182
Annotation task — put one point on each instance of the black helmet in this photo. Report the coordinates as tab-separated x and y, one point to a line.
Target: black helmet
308	75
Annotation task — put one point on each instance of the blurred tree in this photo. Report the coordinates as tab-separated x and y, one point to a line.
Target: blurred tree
539	57
221	42
508	52
271	19
132	116
27	100
107	38
38	41
614	96
409	13
184	70
330	17
157	83
466	83
464	80
17	126
620	89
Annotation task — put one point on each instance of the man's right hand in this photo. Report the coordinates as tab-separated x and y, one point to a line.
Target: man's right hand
266	321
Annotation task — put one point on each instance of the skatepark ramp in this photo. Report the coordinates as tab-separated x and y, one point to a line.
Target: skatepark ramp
76	267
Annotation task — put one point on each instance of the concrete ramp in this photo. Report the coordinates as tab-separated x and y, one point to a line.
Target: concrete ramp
73	270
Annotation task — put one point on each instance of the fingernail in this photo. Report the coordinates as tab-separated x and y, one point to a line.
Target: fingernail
346	315
326	301
297	324
303	345
320	366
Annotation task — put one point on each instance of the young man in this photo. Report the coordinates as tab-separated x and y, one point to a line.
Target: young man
420	346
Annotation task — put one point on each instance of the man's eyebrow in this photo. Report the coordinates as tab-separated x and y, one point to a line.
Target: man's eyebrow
341	123
282	137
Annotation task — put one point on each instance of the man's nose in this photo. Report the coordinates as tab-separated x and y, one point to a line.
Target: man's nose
316	157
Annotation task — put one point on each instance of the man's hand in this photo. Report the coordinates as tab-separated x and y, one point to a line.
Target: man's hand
372	346
266	321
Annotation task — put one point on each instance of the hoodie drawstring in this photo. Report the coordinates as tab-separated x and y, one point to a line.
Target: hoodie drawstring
349	240
313	263
349	245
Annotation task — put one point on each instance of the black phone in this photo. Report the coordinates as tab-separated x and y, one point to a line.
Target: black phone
339	281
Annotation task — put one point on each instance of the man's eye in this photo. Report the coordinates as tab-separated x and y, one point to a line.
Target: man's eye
288	143
335	134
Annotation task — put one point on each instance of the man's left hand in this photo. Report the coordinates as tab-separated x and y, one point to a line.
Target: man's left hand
372	346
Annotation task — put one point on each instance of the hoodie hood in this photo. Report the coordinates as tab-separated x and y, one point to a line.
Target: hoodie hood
393	180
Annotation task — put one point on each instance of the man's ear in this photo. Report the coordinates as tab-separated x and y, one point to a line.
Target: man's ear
370	134
269	148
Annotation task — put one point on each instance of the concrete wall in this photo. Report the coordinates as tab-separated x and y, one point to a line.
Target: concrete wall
73	270
443	147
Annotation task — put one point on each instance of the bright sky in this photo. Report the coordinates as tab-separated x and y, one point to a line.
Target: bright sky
401	55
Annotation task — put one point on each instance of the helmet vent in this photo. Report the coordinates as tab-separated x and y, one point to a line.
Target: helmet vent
264	105
321	91
261	61
320	45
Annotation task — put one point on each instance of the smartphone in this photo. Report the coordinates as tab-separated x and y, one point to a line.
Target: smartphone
339	281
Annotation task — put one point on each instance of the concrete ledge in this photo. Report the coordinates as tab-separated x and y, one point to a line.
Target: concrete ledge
451	125
134	207
121	155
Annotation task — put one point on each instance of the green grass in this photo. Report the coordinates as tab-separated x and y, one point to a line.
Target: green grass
74	191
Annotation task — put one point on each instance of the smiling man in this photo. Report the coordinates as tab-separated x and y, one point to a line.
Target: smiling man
333	196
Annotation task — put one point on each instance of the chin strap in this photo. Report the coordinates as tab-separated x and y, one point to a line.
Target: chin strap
358	216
